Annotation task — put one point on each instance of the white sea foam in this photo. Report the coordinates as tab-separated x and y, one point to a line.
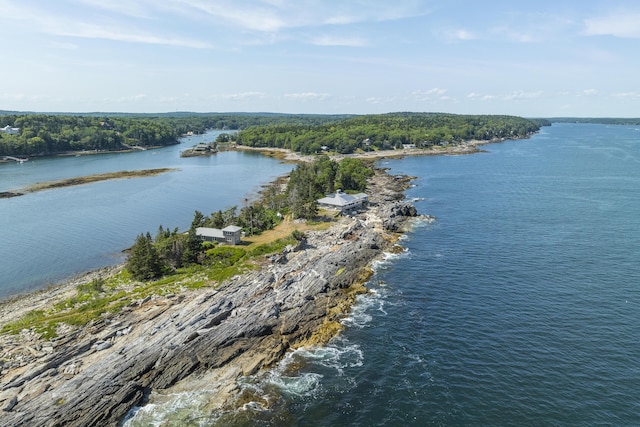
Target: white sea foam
360	315
301	385
338	354
387	259
175	408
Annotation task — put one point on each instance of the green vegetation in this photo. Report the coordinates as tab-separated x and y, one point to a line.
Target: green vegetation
311	181
50	134
150	258
144	263
47	134
103	296
387	131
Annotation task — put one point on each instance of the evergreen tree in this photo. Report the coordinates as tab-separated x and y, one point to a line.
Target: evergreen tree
144	263
193	244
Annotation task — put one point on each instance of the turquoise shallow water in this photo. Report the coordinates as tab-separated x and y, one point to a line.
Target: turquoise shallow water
519	305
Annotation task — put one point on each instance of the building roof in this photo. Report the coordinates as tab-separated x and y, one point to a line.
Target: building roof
340	199
210	232
216	232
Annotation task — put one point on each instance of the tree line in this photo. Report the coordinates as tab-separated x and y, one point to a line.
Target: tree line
53	134
46	134
154	256
387	131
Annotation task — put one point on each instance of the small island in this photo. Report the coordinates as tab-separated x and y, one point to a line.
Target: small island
201	149
40	186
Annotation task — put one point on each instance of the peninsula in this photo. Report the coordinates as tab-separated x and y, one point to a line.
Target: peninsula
94	374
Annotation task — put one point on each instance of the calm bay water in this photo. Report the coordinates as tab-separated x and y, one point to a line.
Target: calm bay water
519	305
48	236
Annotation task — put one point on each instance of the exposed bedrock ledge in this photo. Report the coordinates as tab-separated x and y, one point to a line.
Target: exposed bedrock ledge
95	376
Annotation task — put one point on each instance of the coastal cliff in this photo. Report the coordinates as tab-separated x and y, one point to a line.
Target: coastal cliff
96	374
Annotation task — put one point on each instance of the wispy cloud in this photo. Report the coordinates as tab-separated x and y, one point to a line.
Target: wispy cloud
307	96
430	94
242	95
632	94
588	92
479	96
273	16
519	95
624	25
460	35
513	96
339	41
91	31
66	23
133	8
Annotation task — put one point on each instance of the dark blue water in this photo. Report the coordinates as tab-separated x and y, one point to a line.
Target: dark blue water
518	306
48	236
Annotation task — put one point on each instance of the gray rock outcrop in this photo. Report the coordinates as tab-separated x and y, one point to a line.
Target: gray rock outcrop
96	374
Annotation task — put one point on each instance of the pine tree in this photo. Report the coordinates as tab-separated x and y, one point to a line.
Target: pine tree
193	244
144	263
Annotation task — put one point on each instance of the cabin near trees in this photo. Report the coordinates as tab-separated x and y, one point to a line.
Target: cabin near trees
230	235
343	202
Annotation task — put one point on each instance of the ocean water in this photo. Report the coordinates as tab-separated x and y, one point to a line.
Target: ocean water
49	236
518	306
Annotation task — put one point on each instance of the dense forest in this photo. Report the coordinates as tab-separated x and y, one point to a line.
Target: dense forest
387	131
46	134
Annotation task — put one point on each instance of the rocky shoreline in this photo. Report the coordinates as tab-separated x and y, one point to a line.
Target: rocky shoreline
96	374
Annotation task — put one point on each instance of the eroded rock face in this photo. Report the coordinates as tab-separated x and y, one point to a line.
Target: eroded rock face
94	376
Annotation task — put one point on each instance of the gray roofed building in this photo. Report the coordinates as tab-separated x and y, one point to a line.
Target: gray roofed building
230	234
343	201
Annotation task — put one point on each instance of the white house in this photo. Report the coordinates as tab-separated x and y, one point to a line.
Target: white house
230	234
11	131
343	202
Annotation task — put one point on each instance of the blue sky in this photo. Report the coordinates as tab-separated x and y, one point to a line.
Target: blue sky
534	59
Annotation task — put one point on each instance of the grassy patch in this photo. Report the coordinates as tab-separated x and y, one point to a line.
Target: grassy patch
102	297
272	247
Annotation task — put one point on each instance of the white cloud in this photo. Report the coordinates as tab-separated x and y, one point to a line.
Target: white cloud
589	92
307	96
243	95
633	94
90	31
13	96
460	35
516	35
63	23
376	100
273	16
339	41
431	94
518	95
475	95
133	8
624	25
